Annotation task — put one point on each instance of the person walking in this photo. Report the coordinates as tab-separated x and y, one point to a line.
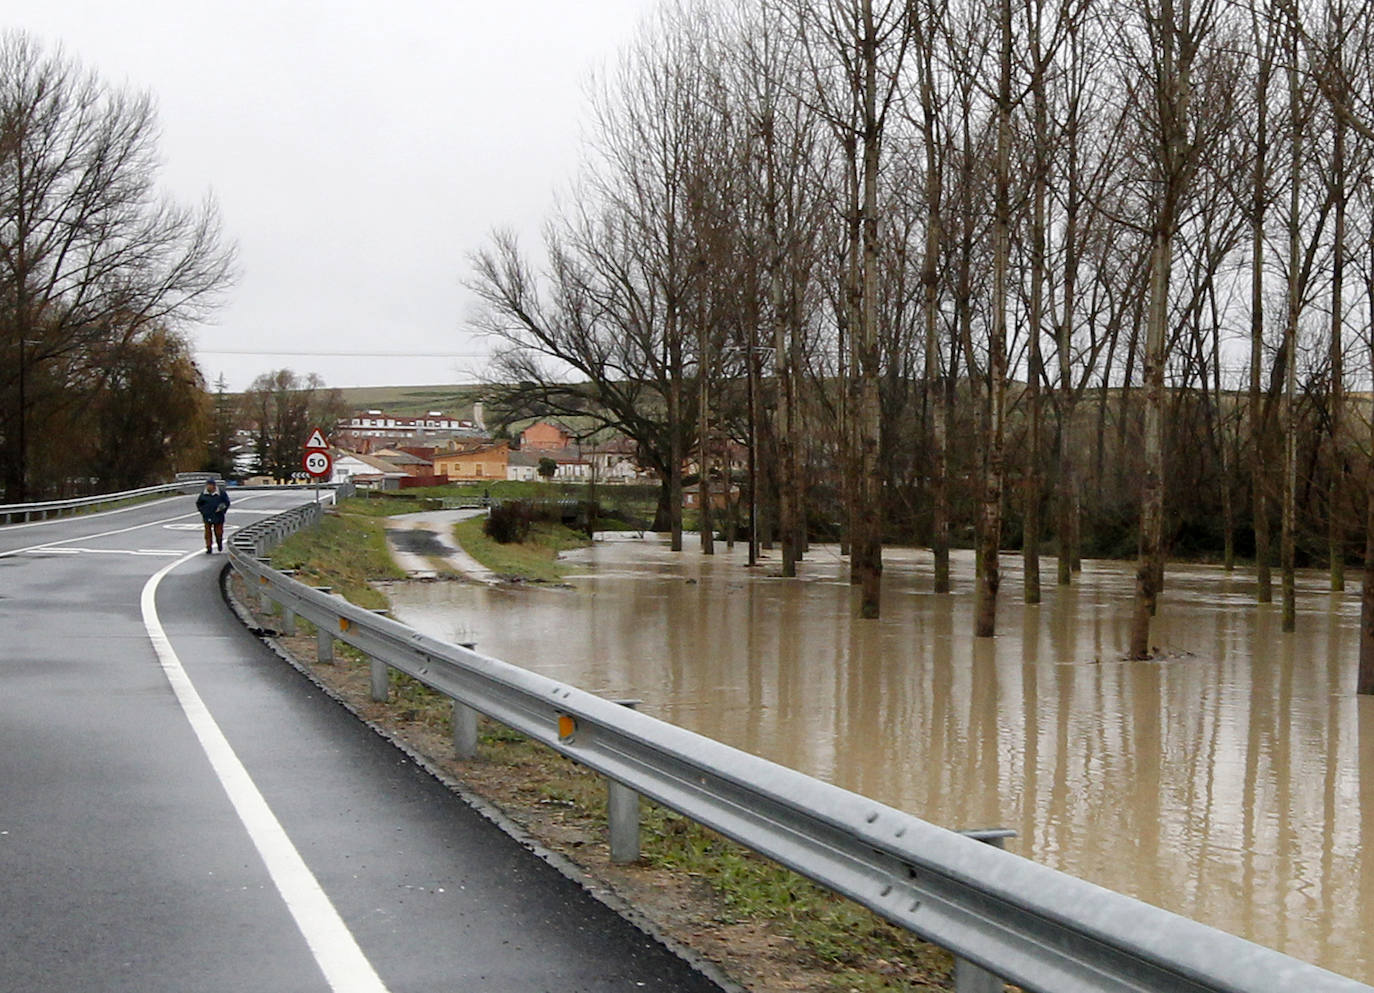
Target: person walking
212	503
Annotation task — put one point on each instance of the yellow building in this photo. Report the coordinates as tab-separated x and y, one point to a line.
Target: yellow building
477	462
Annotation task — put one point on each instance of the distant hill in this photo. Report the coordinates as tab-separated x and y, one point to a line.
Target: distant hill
410	401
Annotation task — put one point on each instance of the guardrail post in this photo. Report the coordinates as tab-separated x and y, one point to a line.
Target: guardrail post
324	644
622	815
968	977
464	731
381	683
288	621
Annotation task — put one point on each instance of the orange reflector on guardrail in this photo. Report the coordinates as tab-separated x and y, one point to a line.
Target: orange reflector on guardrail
567	727
344	624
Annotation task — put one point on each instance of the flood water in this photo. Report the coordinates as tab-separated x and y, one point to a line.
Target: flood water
1231	782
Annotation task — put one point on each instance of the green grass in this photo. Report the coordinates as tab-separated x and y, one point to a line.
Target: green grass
346	552
860	950
534	560
412	401
837	931
622	507
389	504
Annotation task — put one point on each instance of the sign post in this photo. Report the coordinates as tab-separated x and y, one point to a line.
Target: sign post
317	461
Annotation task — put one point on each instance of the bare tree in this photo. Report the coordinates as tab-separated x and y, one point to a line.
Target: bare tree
847	43
1175	35
284	408
990	518
786	183
932	24
91	257
1297	123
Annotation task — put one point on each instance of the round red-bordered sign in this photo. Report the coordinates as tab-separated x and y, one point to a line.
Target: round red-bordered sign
318	463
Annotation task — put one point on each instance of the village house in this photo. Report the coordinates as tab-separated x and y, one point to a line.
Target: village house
407	462
368	430
569	465
545	436
480	461
691	496
614	461
366	470
523	466
417	464
611	461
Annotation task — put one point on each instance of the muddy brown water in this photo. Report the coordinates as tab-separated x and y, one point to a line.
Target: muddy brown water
1231	781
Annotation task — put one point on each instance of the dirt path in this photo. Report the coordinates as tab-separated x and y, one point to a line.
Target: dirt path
422	544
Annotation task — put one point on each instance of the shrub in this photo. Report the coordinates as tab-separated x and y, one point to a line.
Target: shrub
509	521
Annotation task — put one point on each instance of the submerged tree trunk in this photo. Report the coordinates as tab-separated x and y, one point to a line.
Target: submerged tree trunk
675	446
1228	515
1030	533
849	374
1337	486
785	414
1365	682
1290	343
707	526
1258	475
990	538
1150	564
868	552
936	399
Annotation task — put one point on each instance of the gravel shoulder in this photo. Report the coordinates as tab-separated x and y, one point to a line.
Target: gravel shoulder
521	797
524	789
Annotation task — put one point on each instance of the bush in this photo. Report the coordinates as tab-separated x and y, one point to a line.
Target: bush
509	521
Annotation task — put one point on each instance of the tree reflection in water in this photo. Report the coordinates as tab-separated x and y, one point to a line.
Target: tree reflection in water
1228	780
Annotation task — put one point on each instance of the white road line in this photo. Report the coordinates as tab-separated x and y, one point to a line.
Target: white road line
87	537
103	534
90	516
164	552
336	951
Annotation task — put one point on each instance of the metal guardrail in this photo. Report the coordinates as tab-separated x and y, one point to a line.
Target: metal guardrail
42	511
27	511
1011	918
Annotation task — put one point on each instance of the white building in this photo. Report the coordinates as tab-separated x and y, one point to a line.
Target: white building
365	470
368	430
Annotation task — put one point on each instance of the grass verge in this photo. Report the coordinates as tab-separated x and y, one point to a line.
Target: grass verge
533	560
346	552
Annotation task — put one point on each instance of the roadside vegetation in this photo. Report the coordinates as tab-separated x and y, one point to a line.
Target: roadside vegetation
533	560
347	553
764	923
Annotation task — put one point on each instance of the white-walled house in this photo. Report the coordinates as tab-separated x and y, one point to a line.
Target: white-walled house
365	469
523	466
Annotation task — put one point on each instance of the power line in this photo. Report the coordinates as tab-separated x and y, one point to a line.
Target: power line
345	355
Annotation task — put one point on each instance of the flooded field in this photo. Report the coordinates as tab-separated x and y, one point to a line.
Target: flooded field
1232	781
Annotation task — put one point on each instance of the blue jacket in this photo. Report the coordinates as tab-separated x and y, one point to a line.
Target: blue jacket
213	505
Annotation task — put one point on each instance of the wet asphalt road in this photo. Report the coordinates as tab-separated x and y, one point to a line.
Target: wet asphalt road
123	864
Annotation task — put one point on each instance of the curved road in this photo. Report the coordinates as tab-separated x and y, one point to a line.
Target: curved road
133	855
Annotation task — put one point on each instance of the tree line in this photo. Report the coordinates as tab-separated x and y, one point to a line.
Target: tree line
99	276
1074	276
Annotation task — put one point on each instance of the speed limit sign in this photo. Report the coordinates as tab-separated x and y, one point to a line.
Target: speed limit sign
318	463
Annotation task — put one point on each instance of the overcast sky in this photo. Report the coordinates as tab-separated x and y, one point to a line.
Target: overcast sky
358	152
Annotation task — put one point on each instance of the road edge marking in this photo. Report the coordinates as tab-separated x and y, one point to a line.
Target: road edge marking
336	951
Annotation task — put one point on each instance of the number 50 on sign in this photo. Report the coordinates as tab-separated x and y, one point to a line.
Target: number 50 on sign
318	463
